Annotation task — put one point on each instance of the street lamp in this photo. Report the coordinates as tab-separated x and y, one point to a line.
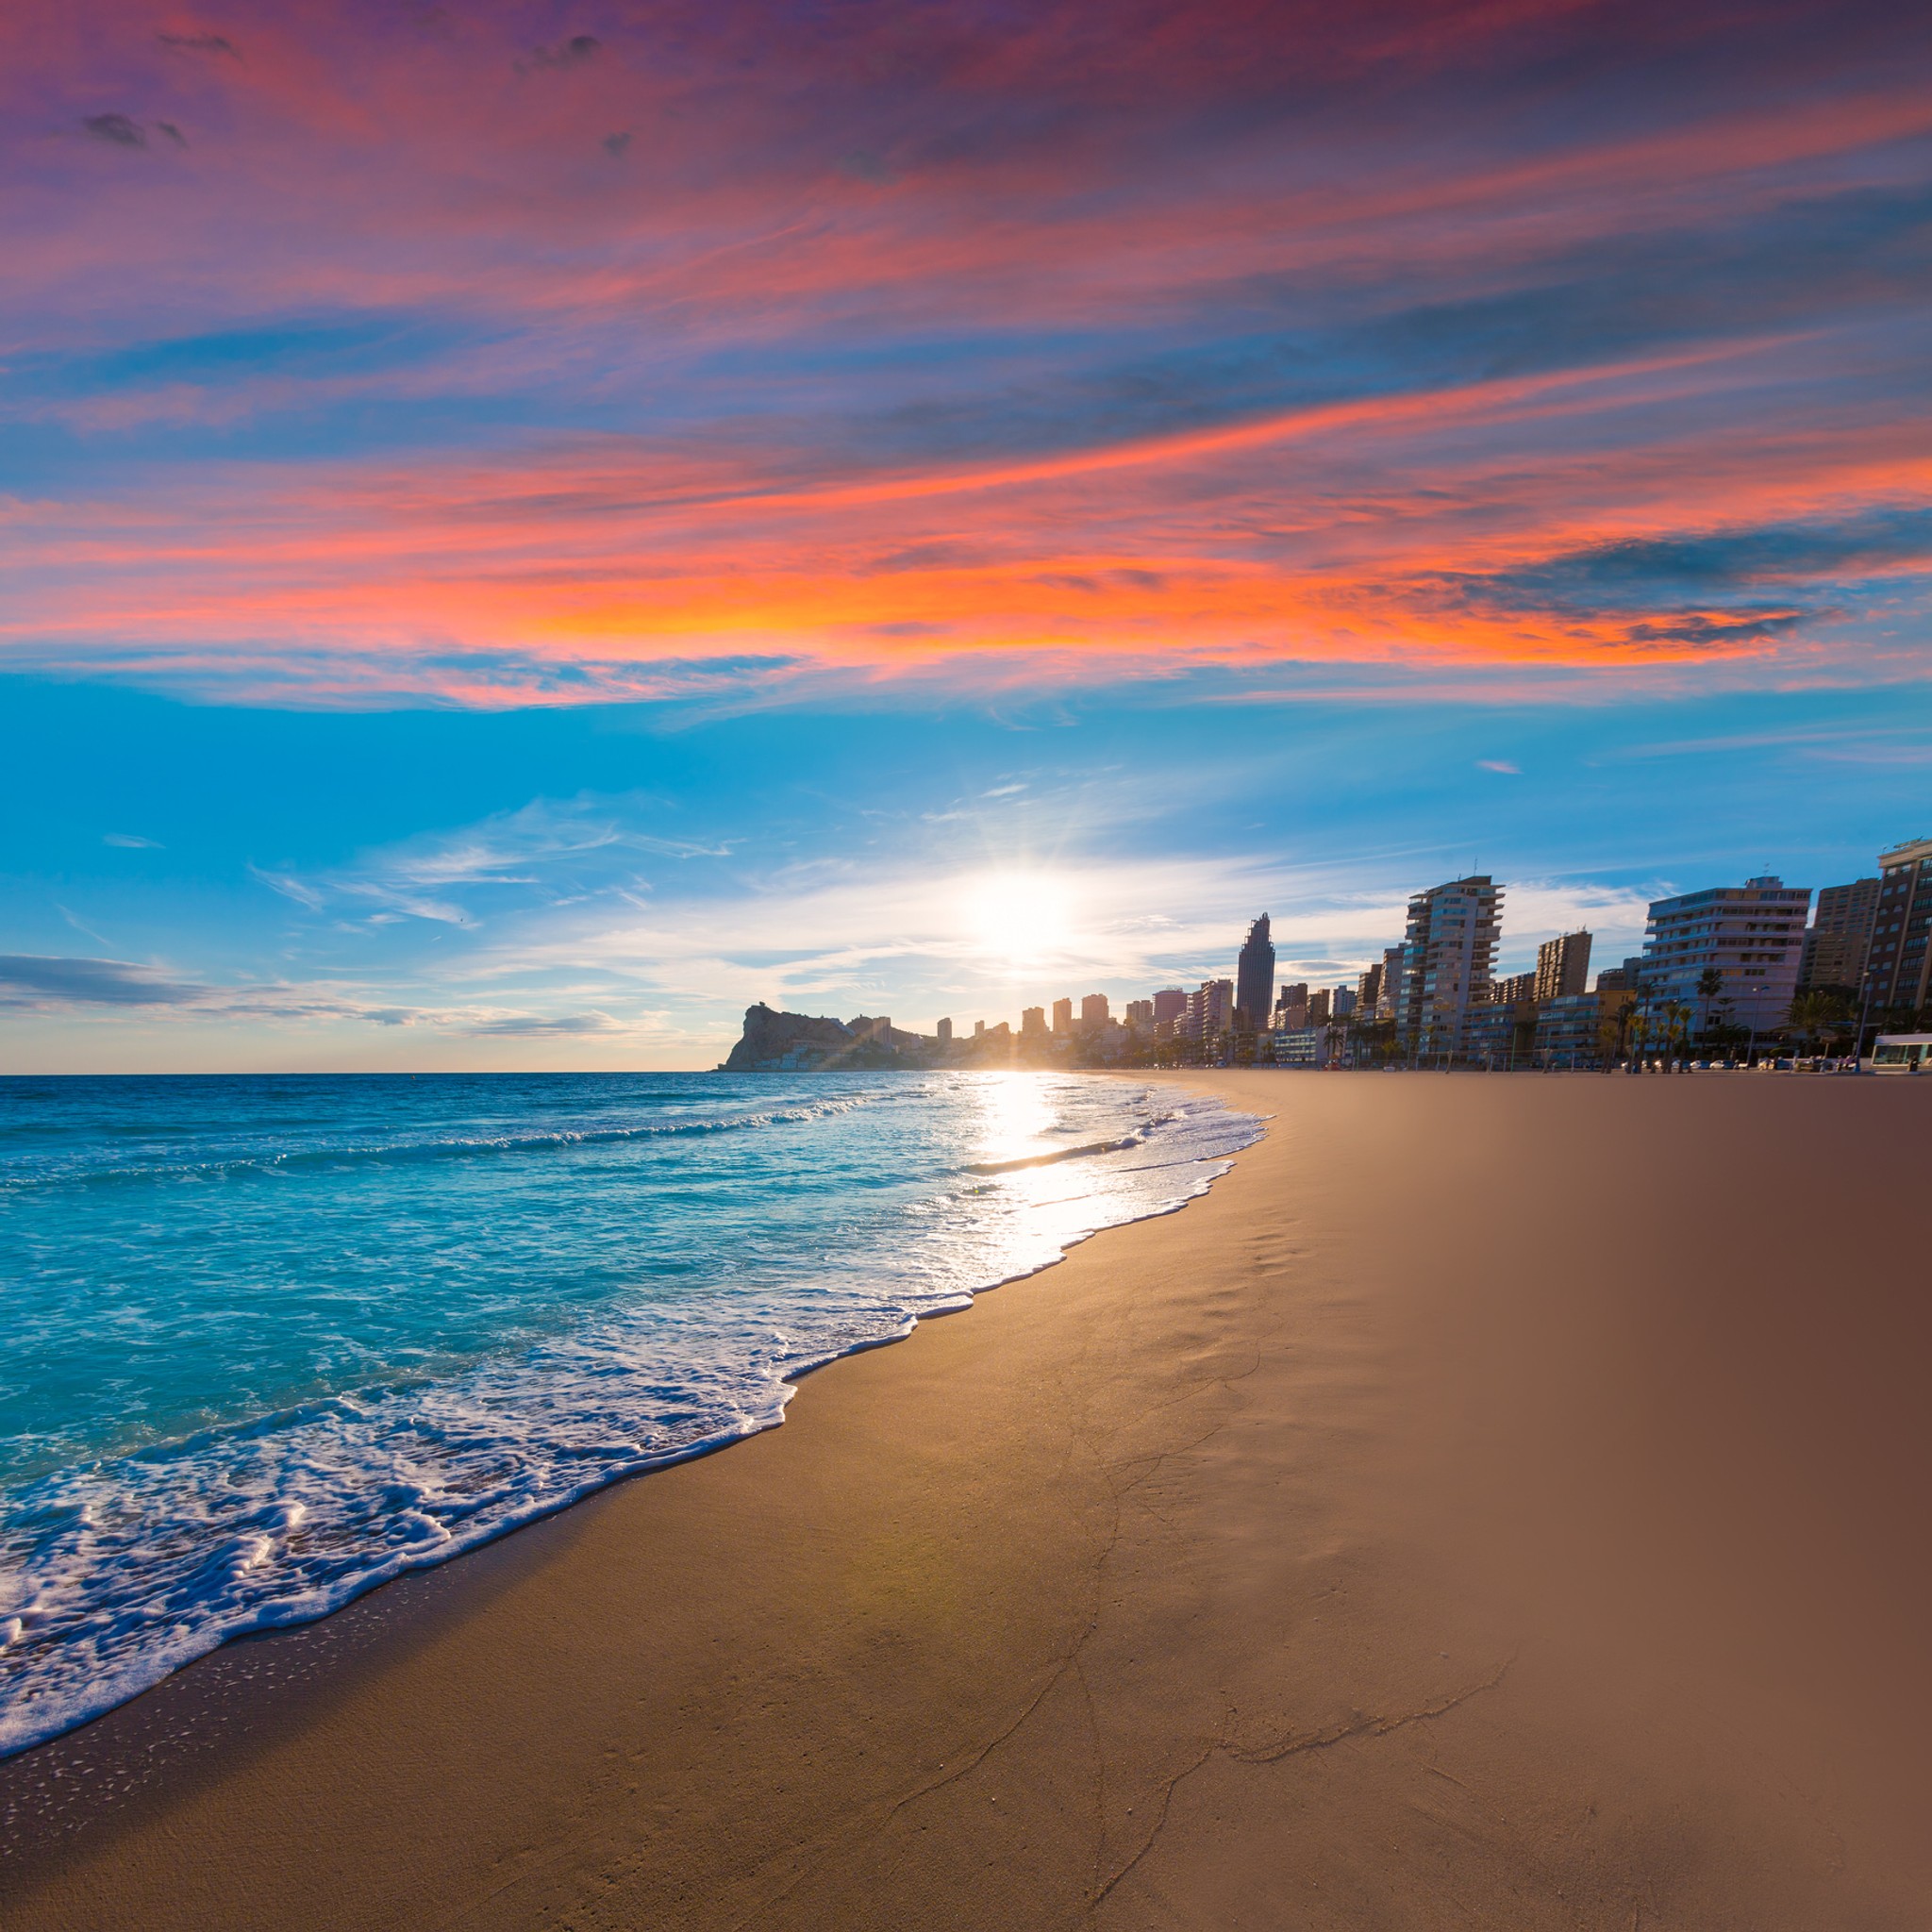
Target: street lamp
1858	1043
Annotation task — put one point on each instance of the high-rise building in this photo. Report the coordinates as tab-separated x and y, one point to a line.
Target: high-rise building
1211	1010
1033	1020
1063	1016
1562	966
1317	1008
1446	957
1895	971
1750	936
1512	991
1291	1009
1343	1002
1254	976
1389	1002
1141	1012
1170	1003
1582	1029
1838	942
1368	992
945	1030
1094	1013
1623	979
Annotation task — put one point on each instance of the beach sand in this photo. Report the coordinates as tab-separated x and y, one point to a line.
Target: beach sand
1502	1502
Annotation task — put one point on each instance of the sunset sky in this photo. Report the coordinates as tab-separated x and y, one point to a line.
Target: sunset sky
527	528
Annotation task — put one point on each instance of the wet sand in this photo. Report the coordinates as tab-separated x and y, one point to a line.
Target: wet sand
1502	1502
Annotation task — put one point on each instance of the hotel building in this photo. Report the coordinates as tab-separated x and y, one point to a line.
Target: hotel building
1562	966
1837	942
1211	1010
1750	935
1896	972
1446	957
1254	977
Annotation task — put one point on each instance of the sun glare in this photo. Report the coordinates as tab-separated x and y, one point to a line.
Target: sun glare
1018	918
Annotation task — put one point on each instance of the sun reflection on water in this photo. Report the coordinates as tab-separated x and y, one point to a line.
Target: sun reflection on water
1015	1117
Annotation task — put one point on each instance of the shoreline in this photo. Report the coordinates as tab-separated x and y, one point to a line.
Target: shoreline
783	1390
1142	1544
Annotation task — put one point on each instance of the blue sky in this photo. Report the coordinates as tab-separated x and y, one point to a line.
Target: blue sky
198	886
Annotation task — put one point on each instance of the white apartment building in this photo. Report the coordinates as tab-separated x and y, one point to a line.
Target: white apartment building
1751	935
1447	954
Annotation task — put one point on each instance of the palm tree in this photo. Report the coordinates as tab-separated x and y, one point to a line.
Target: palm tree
1817	1015
1710	986
1677	1034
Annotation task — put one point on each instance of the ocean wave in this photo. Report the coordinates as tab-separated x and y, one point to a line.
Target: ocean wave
404	1153
118	1570
1052	1159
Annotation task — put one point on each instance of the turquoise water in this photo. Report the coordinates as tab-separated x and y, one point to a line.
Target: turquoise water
273	1340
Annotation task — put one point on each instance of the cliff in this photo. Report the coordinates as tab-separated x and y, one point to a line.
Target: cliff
771	1041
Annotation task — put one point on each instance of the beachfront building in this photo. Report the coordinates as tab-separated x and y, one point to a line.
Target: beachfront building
1341	1002
1581	1029
1094	1012
945	1032
1750	936
1305	1046
1562	966
1511	990
1210	1011
1896	969
1837	942
1389	994
1063	1016
1254	977
1141	1014
1033	1023
1291	1009
1317	1008
1368	992
1502	1032
1447	954
1170	1003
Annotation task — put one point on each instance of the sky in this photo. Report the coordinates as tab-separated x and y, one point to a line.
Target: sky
527	528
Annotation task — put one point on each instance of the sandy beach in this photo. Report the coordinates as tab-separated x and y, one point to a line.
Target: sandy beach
1502	1502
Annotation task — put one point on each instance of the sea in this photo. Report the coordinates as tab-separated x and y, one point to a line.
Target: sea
270	1342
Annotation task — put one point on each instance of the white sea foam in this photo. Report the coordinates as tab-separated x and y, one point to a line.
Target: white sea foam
116	1568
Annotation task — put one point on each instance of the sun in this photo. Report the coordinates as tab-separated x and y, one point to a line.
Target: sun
1019	918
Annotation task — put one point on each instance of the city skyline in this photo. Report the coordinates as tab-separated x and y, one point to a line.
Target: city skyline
1739	955
948	940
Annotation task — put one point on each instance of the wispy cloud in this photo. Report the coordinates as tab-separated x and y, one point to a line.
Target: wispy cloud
991	348
543	851
52	983
31	979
